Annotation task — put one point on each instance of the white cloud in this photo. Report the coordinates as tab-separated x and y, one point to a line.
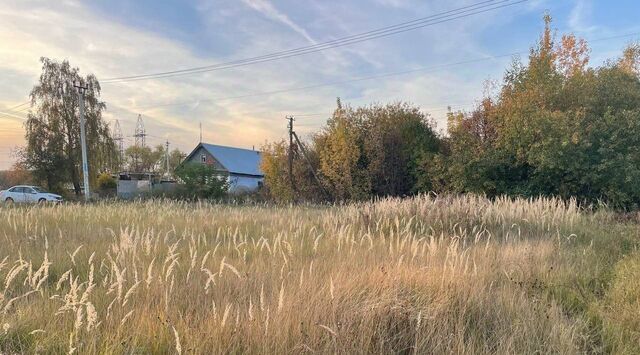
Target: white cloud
396	3
579	17
60	30
267	8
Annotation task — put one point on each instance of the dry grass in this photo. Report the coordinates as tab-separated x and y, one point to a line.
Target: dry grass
425	275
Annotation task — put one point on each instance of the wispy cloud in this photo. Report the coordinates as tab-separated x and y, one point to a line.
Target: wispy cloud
396	3
270	11
579	17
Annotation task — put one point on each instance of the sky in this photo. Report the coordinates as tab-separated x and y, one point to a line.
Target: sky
435	67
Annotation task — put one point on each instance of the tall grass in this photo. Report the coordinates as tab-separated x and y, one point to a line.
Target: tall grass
427	274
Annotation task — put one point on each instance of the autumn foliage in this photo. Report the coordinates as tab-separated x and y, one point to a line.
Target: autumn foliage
556	126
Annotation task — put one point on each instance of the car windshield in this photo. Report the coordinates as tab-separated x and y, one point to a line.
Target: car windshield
39	189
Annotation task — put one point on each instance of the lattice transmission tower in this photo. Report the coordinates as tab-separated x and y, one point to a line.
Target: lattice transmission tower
140	133
119	140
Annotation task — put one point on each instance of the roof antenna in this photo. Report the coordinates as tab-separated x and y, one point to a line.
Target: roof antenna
200	131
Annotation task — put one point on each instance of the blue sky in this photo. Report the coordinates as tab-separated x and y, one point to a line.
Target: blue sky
128	37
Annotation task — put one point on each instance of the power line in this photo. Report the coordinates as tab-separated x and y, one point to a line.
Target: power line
11	115
447	16
22	109
434	68
13	108
19	105
338	40
365	78
371	77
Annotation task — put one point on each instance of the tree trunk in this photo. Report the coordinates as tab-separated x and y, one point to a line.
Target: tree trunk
49	182
75	180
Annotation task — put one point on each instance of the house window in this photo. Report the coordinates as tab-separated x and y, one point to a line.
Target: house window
203	159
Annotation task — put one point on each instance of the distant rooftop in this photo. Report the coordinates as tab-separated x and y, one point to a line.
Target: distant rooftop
236	160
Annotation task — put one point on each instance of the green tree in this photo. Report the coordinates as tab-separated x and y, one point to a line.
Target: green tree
202	181
557	127
176	157
144	159
53	151
376	150
341	153
398	138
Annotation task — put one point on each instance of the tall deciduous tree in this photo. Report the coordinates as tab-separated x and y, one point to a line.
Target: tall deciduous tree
630	61
275	169
557	127
342	158
146	159
398	137
375	150
53	151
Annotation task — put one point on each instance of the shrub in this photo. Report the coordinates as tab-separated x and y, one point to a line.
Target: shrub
106	182
201	181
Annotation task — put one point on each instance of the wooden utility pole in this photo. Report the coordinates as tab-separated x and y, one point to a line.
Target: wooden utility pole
290	119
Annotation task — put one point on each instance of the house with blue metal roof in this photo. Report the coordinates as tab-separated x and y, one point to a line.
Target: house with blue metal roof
242	166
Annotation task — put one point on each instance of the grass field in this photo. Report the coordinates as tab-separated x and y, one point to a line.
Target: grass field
424	275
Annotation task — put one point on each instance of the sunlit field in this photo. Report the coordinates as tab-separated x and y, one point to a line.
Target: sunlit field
422	275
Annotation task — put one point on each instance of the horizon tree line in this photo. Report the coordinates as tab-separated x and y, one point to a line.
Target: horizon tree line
554	127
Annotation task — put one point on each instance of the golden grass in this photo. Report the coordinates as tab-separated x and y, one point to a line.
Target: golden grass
423	275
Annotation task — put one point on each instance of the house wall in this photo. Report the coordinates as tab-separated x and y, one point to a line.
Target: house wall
197	158
243	184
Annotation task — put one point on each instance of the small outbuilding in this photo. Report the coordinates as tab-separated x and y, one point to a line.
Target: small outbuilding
242	166
132	185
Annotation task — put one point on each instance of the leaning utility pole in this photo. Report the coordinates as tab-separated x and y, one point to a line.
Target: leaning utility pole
311	168
291	119
85	165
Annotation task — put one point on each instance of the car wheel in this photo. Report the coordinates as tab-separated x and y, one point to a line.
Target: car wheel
42	200
9	200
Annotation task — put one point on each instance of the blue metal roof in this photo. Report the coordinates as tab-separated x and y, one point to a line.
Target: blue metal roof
236	160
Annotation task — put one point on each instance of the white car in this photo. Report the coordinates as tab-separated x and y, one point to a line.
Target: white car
28	194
